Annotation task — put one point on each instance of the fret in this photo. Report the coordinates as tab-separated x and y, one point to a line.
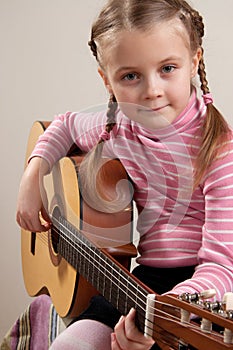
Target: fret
122	297
85	268
142	297
97	272
102	280
74	259
91	267
100	271
111	290
108	293
102	283
115	288
126	306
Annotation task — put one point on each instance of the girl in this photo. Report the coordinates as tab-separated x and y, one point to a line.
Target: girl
176	148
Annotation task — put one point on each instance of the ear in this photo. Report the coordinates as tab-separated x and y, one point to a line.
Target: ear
195	62
105	80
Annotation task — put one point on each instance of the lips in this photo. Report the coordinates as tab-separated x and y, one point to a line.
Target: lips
157	109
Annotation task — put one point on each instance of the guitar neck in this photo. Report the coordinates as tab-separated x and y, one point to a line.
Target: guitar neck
123	290
102	271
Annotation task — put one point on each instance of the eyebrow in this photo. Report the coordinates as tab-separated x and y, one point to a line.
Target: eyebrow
171	58
121	69
133	68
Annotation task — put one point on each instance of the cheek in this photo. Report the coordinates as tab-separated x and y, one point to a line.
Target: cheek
183	92
181	99
129	109
125	94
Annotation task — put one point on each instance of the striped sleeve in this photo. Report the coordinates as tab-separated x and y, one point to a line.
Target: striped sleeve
215	269
83	129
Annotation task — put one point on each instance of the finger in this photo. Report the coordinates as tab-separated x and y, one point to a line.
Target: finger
28	224
130	328
134	335
114	343
45	218
120	336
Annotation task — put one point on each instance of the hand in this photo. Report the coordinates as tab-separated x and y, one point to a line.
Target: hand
126	335
31	213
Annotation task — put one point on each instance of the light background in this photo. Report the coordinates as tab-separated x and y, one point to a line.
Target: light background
46	68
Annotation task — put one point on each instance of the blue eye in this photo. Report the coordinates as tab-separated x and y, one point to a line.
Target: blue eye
130	76
168	69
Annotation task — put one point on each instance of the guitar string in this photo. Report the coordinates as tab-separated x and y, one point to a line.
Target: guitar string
122	286
96	253
88	257
166	315
100	266
155	332
123	290
89	254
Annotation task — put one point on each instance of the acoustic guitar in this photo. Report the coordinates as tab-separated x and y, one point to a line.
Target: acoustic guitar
88	251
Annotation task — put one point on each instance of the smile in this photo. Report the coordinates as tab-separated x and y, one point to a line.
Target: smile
151	110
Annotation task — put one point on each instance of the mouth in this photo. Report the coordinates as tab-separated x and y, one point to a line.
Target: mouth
151	110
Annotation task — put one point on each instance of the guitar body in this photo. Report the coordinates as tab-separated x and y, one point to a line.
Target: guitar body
44	269
87	242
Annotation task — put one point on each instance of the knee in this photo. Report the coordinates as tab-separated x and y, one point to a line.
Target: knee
84	335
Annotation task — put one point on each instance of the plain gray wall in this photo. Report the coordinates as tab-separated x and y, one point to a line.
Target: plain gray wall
46	68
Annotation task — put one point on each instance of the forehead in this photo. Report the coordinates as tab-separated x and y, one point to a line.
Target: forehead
161	40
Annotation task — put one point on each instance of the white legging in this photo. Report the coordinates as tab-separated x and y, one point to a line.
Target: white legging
84	335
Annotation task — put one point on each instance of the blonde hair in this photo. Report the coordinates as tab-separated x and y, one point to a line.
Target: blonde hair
118	15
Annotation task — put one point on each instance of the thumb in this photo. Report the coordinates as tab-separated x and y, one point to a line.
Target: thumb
45	217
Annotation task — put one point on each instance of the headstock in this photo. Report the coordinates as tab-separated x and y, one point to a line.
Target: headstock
194	321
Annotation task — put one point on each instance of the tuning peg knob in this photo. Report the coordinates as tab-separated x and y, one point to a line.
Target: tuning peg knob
207	294
228	306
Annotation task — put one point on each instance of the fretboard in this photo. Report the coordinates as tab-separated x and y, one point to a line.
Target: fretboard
102	271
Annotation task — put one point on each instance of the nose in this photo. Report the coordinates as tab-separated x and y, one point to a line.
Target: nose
152	88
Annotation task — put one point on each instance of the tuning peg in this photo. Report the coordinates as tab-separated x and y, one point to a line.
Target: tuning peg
228	306
195	297
228	301
206	325
212	306
207	294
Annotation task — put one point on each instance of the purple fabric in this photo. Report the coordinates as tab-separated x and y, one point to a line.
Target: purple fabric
36	327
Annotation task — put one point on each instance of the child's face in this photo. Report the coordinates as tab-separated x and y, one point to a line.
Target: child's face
150	73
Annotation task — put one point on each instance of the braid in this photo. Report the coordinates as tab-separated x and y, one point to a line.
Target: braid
93	162
112	106
198	24
93	48
202	75
215	129
111	113
198	27
111	122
